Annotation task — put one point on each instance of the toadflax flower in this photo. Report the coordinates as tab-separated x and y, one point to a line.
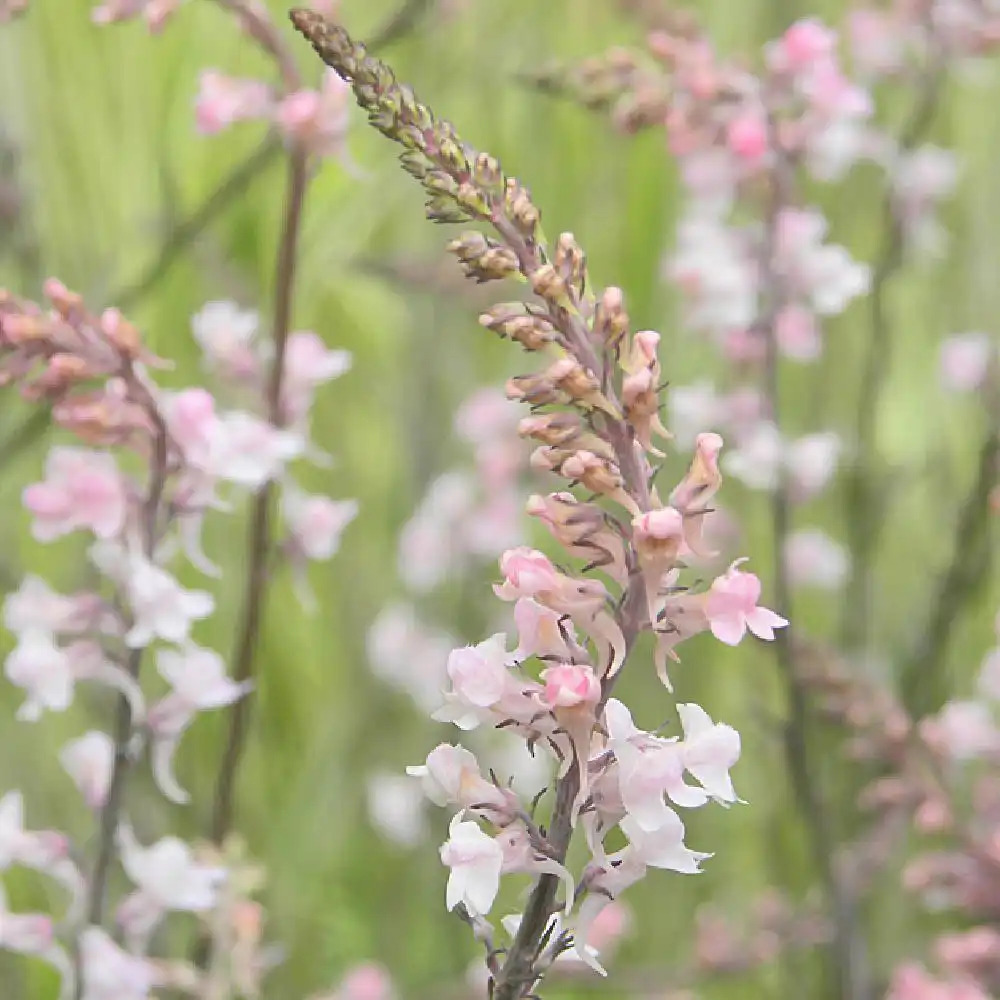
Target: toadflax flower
731	608
475	860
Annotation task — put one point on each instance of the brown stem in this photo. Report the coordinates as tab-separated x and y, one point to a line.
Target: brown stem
259	542
971	562
848	944
866	503
110	814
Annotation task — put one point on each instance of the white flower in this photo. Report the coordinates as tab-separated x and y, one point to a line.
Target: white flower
710	749
475	860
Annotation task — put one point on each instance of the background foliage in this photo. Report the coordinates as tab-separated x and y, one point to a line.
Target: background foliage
110	162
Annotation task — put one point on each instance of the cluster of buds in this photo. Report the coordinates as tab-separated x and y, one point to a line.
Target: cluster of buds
595	425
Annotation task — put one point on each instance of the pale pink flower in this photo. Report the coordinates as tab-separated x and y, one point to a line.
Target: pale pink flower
801	46
396	808
479	674
747	137
568	685
757	459
161	607
316	523
368	981
110	973
82	489
877	44
409	654
798	334
223	100
693	409
648	769
308	363
709	750
527	573
485	416
155	12
36	607
811	462
168	878
317	119
43	850
44	670
250	451
964	730
199	683
520	854
89	761
540	632
814	559
965	361
606	881
475	860
663	847
731	608
226	335
451	776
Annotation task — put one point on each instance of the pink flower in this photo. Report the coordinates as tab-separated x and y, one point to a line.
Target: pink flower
110	973
192	422
82	489
168	878
798	333
250	451
161	608
801	46
308	364
663	847
568	685
367	981
731	608
540	631
316	522
36	607
527	572
89	761
317	119
226	335
223	100
746	136
813	559
964	730
475	860
709	750
39	849
479	674
965	361
451	776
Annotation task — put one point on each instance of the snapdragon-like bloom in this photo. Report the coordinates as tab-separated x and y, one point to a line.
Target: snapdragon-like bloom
82	489
89	761
224	100
451	776
168	878
475	860
316	523
731	608
109	972
226	335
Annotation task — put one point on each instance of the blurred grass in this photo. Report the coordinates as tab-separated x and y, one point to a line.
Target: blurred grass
111	161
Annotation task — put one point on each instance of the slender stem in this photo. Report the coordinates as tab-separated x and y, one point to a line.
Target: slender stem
848	944
971	561
110	814
259	538
866	492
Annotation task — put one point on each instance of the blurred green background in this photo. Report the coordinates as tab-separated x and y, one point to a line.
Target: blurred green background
110	161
